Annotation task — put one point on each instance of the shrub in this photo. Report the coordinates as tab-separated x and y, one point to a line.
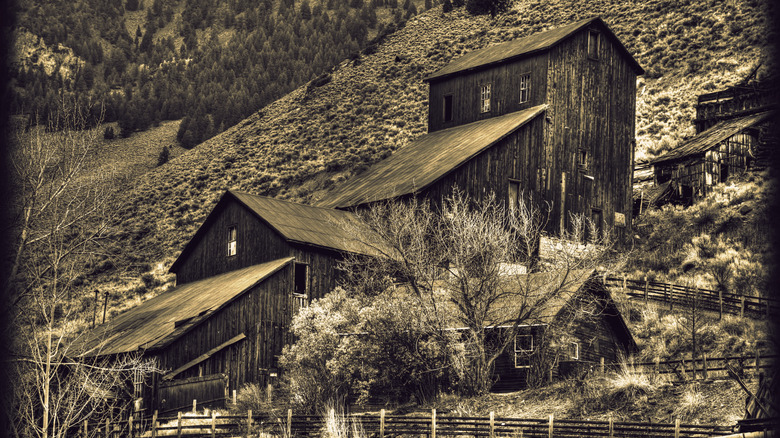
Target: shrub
108	133
492	7
164	156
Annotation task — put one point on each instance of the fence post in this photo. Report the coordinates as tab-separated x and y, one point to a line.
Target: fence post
647	285
130	425
433	423
84	429
742	306
668	289
704	365
720	302
677	427
611	427
178	424
289	423
194	406
108	430
234	396
601	364
758	362
248	422
382	423
624	282
550	427
213	424
492	424
154	424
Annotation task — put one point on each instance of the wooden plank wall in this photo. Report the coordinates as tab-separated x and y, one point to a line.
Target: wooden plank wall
505	92
256	243
263	314
323	275
592	107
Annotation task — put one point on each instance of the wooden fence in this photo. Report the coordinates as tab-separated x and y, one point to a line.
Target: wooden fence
705	368
705	299
382	425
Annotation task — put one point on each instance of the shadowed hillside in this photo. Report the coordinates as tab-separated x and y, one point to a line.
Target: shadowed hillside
367	107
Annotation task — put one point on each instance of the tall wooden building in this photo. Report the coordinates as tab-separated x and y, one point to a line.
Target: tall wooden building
247	270
550	116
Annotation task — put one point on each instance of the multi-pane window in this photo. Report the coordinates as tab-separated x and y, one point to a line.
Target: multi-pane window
524	346
525	83
484	98
231	241
593	44
447	110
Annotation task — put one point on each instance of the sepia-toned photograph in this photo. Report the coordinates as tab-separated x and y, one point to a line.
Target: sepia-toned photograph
390	219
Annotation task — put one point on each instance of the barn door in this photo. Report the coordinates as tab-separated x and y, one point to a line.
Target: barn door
177	395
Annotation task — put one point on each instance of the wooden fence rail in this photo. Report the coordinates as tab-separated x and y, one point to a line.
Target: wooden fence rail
392	426
704	367
706	299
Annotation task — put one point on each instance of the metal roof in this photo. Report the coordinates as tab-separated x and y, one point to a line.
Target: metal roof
523	47
427	159
713	136
164	318
323	227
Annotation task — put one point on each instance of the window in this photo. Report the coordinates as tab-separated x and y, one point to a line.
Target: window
574	351
232	234
447	110
301	273
525	83
484	106
593	44
582	160
513	194
524	346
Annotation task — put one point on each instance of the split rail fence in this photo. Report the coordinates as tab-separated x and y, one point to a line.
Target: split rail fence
393	426
706	299
706	368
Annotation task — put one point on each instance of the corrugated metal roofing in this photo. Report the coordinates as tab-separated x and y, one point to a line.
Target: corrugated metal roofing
323	227
713	136
427	159
522	47
152	323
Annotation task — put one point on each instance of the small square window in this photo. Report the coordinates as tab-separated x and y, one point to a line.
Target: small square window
484	106
525	87
524	346
574	351
447	110
232	238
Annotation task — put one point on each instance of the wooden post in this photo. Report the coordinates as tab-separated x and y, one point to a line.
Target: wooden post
84	429
549	375
601	364
611	427
382	423
194	406
154	424
720	303
704	366
677	427
492	424
234	396
758	362
105	306
130	425
248	423
108	429
433	423
550	427
647	286
668	292
742	306
178	424
213	424
624	282
289	423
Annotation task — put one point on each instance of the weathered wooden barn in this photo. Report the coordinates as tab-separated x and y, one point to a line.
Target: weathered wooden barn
583	314
549	116
251	265
725	149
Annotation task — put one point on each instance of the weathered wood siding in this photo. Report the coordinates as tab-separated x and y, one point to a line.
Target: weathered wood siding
591	108
323	275
515	157
263	314
256	243
505	92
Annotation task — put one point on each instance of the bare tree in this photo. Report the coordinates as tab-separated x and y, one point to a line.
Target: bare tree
468	264
62	215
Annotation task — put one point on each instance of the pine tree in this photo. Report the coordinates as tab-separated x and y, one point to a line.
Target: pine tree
164	156
305	10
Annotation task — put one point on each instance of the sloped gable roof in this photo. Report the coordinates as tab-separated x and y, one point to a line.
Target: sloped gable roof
166	317
297	223
711	137
427	159
522	47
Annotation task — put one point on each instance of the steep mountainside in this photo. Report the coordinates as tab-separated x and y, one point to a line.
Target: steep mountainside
371	105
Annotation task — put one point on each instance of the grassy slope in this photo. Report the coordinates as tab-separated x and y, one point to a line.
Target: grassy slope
311	139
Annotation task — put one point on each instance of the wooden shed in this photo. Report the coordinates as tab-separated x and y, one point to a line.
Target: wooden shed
583	309
727	148
550	116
